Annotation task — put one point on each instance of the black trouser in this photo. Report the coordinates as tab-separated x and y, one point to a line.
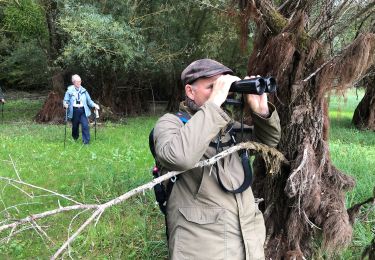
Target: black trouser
79	117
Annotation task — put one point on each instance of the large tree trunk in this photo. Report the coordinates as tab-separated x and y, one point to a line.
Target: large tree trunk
308	195
52	110
364	114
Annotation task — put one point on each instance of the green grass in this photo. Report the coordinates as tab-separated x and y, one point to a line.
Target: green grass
353	152
118	161
111	165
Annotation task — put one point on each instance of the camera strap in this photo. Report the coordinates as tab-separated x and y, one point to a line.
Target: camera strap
248	174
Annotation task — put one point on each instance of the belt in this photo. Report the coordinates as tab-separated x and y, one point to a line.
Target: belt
77	107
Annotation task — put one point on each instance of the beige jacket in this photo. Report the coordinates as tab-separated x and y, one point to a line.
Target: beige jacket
205	222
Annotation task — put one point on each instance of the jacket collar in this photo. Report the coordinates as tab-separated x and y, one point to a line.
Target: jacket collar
82	89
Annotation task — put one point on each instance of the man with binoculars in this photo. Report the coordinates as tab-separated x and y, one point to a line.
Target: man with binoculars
211	212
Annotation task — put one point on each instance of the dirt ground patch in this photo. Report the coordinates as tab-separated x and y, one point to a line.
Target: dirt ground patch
33	95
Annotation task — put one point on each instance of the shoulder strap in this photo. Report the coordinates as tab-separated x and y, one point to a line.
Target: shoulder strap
151	143
183	116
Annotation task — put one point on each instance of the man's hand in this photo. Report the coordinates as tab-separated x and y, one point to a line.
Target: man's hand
66	105
258	103
221	88
96	106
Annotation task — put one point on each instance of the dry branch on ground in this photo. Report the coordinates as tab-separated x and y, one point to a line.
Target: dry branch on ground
273	158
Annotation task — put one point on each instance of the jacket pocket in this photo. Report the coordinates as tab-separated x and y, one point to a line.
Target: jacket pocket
201	233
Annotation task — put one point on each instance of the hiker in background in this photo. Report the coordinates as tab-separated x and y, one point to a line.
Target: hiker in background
78	102
208	217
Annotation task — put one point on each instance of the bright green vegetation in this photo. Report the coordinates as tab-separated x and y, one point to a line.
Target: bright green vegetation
118	161
353	152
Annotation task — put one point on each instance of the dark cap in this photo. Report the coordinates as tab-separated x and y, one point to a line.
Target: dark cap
203	68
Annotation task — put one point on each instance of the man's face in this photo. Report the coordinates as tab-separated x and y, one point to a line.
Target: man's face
201	90
77	83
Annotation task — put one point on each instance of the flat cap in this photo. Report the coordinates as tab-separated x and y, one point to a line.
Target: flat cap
203	68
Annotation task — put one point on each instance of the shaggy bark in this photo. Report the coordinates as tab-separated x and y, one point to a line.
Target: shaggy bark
52	110
308	195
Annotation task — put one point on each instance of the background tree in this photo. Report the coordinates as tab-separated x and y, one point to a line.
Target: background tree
52	110
102	48
127	52
294	42
364	114
23	31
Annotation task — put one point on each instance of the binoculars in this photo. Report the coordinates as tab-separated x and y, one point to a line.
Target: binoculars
256	86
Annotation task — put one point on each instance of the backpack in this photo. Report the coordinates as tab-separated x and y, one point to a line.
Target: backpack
161	190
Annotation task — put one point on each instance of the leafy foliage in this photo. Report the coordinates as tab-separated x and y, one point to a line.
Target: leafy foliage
98	40
25	66
25	18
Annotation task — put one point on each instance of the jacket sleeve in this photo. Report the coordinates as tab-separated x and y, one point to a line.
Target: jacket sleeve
90	103
267	130
66	97
180	147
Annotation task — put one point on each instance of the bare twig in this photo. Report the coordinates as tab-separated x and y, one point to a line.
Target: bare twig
17	205
310	222
11	234
79	230
41	232
21	190
318	69
39	188
14	167
46	214
291	189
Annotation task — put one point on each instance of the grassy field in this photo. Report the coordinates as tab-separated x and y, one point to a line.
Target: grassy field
116	162
353	152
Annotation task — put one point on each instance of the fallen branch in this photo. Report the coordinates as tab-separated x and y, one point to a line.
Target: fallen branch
272	158
31	218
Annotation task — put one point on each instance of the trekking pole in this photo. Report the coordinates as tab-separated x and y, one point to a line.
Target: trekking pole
66	122
2	112
96	116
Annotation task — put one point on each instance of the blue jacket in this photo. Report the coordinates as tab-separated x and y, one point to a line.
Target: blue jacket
70	97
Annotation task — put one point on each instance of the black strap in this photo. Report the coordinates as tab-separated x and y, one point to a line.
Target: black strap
248	175
221	145
151	143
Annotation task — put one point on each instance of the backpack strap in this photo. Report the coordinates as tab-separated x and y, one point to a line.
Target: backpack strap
161	190
183	116
151	143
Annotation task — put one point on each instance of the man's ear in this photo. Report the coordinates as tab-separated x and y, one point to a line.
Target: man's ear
189	91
